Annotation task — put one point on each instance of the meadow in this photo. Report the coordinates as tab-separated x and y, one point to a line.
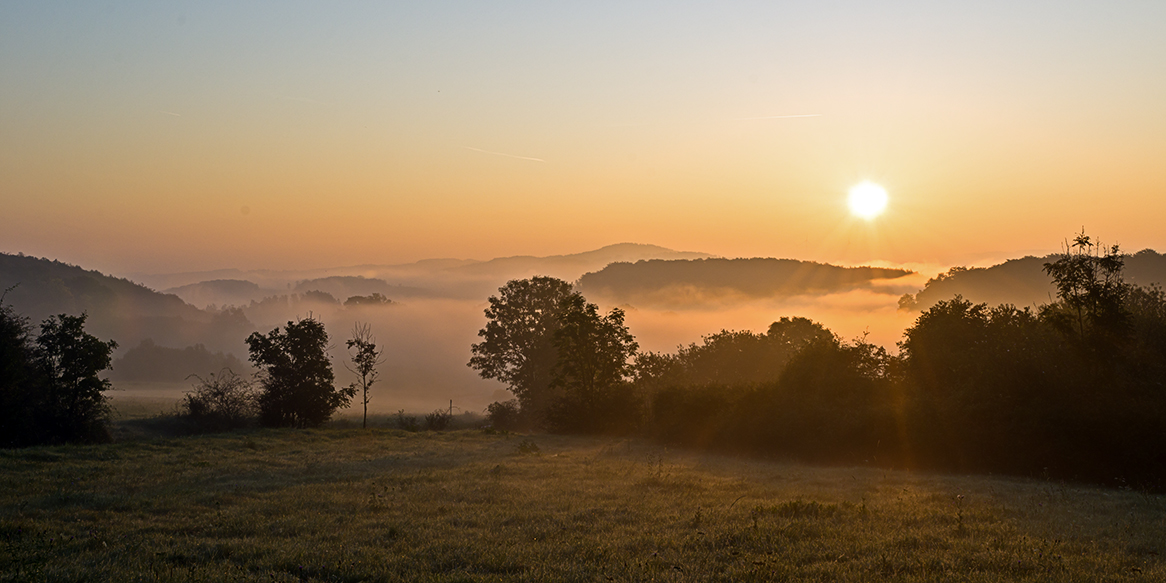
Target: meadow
345	504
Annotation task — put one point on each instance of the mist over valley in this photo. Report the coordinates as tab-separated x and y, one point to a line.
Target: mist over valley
427	314
432	310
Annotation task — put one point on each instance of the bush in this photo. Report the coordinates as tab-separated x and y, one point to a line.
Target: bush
222	402
830	404
697	415
406	422
504	415
438	420
611	410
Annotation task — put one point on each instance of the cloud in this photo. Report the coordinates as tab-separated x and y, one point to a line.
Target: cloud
502	154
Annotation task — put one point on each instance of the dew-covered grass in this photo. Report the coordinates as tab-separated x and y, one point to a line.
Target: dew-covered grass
386	505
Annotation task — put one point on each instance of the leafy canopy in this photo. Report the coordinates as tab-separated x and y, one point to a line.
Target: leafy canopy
50	391
518	341
1091	294
593	371
296	375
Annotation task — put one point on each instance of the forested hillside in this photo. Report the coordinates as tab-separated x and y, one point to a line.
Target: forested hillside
664	282
118	308
1023	282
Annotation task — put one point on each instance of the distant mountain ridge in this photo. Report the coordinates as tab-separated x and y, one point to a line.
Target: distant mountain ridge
588	260
233	292
569	266
682	281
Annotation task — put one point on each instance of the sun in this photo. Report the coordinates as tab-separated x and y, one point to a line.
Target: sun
867	200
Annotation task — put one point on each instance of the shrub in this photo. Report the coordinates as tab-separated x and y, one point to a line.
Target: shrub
504	415
697	415
221	402
406	422
438	420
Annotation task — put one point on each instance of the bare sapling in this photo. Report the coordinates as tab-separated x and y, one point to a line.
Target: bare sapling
365	358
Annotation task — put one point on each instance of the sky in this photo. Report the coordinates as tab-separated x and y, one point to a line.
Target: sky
170	136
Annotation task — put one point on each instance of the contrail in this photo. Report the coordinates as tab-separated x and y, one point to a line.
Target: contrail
507	155
171	113
776	116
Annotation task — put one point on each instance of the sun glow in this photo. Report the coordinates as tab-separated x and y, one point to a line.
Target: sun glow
867	200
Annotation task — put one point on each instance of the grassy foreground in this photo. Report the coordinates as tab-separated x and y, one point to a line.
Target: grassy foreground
384	505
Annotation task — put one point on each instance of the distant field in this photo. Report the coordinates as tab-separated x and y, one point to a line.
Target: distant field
384	505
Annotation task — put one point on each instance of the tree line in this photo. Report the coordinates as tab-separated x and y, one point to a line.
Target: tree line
1074	389
51	390
295	383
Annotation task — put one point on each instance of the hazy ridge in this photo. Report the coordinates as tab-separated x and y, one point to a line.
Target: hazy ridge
442	270
118	308
1023	282
681	282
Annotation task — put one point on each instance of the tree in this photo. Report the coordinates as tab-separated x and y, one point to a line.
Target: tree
518	342
1091	295
375	299
75	410
19	378
364	362
296	375
50	391
593	370
730	357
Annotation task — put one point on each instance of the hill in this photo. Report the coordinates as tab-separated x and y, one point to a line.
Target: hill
429	278
230	292
693	281
118	309
572	266
343	287
1023	282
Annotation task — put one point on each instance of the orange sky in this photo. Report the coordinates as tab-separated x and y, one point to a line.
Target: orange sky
135	137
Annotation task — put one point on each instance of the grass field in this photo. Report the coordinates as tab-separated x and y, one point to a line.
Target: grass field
385	505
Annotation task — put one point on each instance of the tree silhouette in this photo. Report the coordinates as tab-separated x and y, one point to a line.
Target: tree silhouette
75	409
19	378
50	391
592	371
296	376
375	299
518	343
730	357
1091	295
364	362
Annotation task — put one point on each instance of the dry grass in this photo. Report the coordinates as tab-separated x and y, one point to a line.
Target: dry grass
383	505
